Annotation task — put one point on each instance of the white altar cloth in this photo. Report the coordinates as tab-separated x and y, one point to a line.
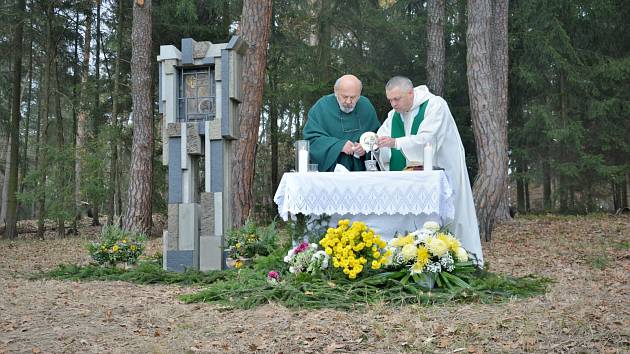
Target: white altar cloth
387	201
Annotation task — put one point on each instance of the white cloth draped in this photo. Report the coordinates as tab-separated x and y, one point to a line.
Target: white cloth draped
389	202
439	127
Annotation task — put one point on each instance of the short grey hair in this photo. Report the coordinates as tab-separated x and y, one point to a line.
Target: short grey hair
400	82
338	81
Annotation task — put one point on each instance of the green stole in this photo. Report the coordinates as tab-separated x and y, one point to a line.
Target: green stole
397	162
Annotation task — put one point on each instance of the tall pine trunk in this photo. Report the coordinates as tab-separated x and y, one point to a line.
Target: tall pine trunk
113	169
42	148
436	48
83	113
11	218
61	169
138	215
489	184
96	204
500	62
255	26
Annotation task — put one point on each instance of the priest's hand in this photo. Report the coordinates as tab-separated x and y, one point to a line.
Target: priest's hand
358	150
385	141
348	148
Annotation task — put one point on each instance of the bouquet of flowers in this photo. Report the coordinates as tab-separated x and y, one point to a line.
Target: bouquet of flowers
116	246
306	257
431	252
354	246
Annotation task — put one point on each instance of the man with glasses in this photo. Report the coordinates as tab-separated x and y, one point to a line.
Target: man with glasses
335	124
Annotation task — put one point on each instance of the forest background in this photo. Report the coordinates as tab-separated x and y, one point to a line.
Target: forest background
67	73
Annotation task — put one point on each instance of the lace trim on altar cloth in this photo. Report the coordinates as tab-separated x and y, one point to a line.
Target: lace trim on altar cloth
381	193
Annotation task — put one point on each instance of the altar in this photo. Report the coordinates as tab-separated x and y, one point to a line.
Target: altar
389	202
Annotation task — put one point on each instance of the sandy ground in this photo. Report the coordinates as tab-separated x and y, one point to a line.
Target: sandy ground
587	309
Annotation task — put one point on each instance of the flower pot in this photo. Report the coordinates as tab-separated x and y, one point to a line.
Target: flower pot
125	266
425	281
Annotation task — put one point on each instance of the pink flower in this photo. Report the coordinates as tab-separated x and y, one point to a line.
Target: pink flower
301	247
273	276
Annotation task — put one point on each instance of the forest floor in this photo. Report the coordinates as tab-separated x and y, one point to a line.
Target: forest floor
587	307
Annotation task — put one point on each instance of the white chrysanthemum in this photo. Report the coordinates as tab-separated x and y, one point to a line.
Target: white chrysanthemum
431	226
409	252
437	247
291	269
461	254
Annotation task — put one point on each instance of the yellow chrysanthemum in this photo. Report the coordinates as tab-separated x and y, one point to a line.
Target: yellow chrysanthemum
423	255
417	268
115	248
452	243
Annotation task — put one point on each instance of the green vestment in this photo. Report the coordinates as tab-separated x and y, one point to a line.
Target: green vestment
328	129
398	162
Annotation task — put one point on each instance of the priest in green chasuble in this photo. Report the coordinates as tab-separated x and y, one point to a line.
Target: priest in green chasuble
418	117
335	124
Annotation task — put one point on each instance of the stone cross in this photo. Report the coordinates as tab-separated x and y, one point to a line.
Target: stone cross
199	90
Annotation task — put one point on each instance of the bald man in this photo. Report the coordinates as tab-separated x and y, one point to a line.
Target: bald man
335	124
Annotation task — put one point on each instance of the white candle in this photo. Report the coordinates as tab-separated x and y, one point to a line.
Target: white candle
428	157
303	161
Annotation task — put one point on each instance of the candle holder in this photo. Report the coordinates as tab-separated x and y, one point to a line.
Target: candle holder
302	149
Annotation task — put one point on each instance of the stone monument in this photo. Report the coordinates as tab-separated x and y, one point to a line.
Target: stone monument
199	94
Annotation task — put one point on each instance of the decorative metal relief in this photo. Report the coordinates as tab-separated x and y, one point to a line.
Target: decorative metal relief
196	95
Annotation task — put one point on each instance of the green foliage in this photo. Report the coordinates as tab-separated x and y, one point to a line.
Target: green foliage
147	272
117	246
251	240
249	288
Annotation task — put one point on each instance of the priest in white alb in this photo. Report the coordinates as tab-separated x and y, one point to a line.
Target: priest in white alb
418	117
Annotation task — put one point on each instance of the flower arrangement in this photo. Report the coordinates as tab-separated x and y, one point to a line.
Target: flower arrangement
352	247
431	252
306	257
116	246
251	240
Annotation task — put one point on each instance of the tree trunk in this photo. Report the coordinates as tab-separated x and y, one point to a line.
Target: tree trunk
11	219
5	182
436	48
113	169
61	168
27	120
500	62
83	112
489	137
563	187
138	215
273	128
528	206
546	186
624	191
97	103
42	149
520	171
255	26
